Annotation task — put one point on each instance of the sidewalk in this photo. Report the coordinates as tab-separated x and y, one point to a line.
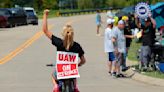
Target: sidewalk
143	78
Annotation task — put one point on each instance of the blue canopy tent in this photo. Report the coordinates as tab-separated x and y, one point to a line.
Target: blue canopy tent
158	13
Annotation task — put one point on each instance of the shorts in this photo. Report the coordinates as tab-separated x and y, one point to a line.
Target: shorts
98	23
111	56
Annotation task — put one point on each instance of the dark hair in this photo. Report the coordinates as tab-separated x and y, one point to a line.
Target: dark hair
98	11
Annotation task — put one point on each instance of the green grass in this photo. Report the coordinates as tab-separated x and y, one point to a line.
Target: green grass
133	50
155	74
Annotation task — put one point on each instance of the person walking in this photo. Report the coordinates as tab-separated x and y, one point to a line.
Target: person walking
98	22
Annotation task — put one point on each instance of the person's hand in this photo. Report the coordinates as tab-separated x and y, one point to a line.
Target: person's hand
134	36
135	16
116	51
149	15
46	12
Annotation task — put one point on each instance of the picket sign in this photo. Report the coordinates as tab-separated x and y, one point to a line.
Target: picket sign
142	10
67	65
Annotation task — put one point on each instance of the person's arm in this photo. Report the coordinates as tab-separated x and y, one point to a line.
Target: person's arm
56	87
113	40
129	36
101	19
128	33
138	24
54	81
152	21
82	61
45	26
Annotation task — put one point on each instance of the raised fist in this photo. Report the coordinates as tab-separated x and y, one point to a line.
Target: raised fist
46	11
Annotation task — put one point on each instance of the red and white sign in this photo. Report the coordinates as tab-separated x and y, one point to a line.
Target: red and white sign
67	65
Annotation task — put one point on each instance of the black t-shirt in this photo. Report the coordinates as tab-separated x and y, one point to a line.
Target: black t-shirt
132	24
148	38
76	48
127	32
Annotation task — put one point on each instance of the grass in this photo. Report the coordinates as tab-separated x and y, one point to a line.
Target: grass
155	74
132	56
133	50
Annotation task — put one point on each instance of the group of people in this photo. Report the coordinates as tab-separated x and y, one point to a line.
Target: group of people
115	44
117	40
118	37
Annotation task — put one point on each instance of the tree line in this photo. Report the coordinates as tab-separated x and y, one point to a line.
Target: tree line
72	4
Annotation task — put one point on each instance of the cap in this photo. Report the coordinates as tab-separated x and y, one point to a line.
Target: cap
110	21
121	22
125	18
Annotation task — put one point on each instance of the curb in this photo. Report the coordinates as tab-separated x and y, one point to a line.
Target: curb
145	79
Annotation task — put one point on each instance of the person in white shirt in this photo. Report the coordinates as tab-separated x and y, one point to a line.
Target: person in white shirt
109	46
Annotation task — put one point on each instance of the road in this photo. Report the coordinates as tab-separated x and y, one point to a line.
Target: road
27	51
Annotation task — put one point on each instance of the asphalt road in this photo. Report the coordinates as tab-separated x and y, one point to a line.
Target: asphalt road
24	68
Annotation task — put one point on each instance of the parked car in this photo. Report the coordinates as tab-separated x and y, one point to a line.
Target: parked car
6	18
3	21
11	17
31	16
20	17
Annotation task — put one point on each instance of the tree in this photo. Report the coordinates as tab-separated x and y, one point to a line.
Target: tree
38	4
71	4
112	3
85	4
5	4
99	3
22	3
51	4
43	4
